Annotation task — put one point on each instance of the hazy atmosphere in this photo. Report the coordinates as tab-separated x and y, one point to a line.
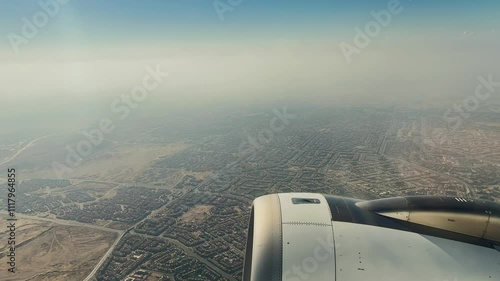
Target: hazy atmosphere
140	128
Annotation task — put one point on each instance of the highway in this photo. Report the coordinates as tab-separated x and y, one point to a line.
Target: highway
24	148
103	259
74	223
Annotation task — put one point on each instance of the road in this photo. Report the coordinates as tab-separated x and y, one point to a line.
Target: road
103	259
175	242
91	275
64	222
190	252
24	148
73	223
122	233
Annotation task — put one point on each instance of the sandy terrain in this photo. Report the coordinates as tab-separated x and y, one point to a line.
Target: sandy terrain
49	251
196	214
121	163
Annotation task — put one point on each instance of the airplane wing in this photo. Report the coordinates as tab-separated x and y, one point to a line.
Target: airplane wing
307	236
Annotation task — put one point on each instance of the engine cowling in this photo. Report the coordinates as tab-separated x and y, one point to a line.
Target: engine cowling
290	238
307	236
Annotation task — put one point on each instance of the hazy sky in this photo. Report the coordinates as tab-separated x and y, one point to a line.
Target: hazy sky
260	48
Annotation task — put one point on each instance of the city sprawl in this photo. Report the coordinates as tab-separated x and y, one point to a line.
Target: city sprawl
173	201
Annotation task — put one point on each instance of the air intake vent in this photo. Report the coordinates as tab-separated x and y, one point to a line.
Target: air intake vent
263	259
305	201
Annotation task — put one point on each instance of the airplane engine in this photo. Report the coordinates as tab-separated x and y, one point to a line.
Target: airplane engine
307	236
